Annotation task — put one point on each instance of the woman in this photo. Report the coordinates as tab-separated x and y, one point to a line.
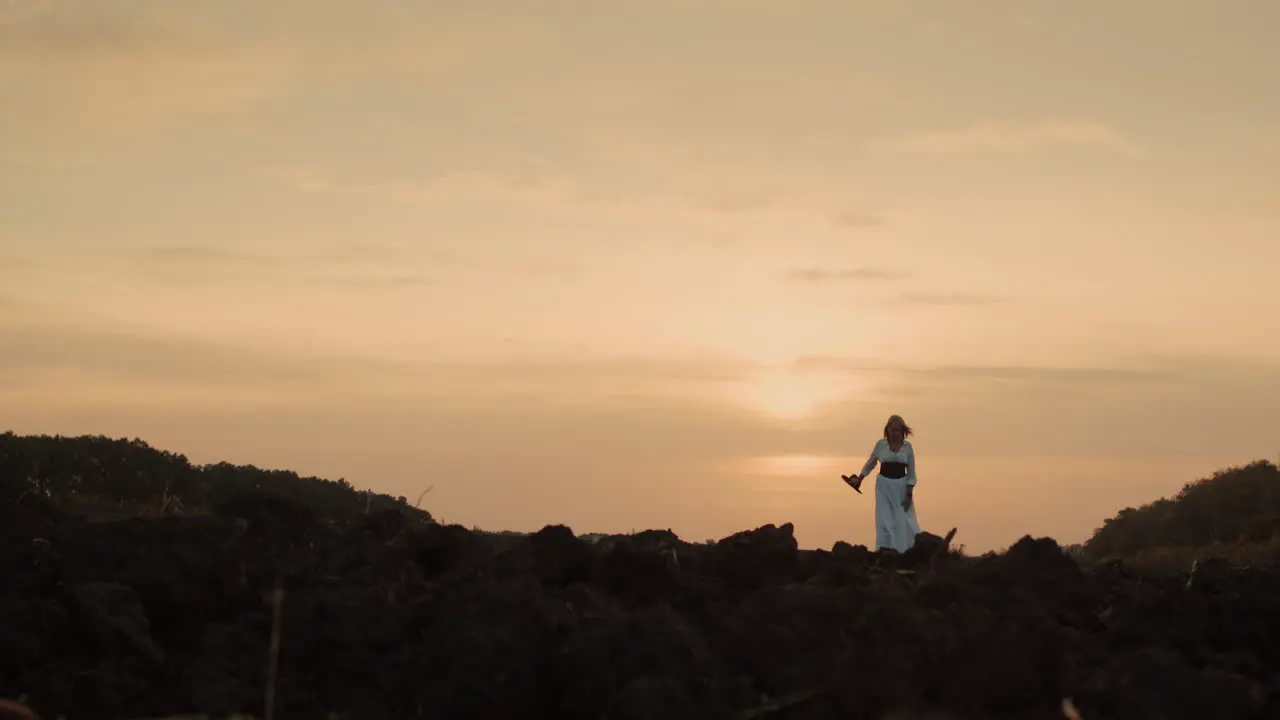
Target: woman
896	524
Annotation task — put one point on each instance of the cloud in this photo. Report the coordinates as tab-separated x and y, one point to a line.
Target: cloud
379	282
354	267
55	32
86	71
802	200
41	345
388	267
1192	367
995	137
363	252
626	369
545	268
1160	369
1041	375
740	201
188	264
584	382
532	186
859	219
12	264
114	351
1125	408
859	274
200	255
949	299
341	254
818	275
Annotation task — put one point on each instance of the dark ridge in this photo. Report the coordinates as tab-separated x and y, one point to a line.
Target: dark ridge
385	614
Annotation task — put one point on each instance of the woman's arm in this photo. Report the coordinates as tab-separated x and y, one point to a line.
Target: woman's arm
911	466
870	464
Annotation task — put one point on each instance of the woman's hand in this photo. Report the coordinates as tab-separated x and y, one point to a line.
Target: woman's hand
908	500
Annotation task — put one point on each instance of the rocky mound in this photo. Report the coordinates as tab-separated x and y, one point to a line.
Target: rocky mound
391	617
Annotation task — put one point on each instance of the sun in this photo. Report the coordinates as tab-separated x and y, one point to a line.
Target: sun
784	395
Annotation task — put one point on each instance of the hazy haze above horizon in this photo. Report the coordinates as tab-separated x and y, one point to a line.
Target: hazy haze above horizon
653	264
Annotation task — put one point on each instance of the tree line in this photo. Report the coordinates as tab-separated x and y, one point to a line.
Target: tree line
1236	507
95	471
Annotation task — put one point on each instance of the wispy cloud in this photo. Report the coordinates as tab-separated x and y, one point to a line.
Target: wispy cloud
364	252
1064	375
859	219
1117	407
355	267
101	72
753	200
14	264
41	346
81	71
1140	371
829	363
198	264
997	137
350	267
949	299
57	32
378	282
200	255
859	274
115	351
531	186
544	268
739	201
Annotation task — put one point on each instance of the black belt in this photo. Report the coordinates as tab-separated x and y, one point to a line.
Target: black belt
893	470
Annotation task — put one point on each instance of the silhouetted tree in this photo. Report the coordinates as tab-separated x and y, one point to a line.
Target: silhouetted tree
125	473
1236	505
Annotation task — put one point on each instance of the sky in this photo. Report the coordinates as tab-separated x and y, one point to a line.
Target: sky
653	264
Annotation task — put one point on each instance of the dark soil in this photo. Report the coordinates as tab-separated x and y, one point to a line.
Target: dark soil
390	618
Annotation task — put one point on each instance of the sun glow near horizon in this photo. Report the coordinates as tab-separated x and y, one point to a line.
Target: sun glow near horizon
791	395
368	244
795	464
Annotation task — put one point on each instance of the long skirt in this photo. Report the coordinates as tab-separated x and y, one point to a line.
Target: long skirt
895	528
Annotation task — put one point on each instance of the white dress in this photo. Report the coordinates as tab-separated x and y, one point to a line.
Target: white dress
895	528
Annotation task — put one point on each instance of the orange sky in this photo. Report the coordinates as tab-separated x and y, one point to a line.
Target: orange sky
653	264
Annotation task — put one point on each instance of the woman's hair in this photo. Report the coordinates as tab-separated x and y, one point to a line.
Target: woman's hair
897	420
